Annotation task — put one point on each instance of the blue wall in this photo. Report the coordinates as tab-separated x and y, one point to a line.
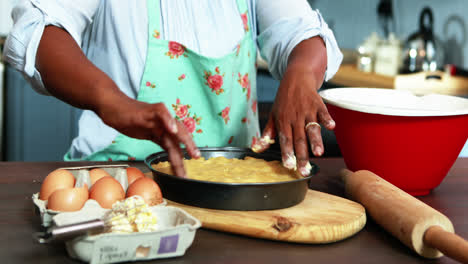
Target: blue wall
352	21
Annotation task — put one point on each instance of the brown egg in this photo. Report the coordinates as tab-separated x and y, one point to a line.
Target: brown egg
96	174
58	179
148	189
106	191
133	174
68	199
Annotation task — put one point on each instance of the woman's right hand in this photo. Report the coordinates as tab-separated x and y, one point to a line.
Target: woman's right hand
70	76
152	122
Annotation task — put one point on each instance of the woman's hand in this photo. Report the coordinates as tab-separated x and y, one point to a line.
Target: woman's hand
152	122
297	104
71	77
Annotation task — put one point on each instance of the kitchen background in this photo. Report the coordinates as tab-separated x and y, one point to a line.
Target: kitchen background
40	128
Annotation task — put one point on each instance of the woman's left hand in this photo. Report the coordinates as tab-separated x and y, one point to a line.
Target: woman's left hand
298	108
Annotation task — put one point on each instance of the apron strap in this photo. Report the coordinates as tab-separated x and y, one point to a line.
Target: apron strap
242	5
154	18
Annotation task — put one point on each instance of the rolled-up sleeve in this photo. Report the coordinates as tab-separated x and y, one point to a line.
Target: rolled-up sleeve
30	18
283	24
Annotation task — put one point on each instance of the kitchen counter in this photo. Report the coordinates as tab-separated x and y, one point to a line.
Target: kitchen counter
419	83
371	245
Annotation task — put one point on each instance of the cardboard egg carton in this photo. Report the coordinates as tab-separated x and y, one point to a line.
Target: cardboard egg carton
176	231
81	175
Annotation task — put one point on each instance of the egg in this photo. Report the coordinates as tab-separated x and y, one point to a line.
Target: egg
146	188
96	174
68	199
58	179
133	174
106	191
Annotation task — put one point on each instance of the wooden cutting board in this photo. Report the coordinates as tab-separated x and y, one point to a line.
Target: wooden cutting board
320	218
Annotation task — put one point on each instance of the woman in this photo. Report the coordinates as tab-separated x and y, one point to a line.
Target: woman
156	74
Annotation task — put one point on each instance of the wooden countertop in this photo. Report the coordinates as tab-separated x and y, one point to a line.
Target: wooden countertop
419	83
19	181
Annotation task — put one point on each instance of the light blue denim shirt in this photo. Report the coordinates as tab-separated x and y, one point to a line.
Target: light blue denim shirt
113	35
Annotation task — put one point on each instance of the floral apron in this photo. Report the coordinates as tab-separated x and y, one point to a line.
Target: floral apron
215	98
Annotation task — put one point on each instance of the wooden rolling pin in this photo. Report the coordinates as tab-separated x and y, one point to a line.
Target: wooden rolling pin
420	227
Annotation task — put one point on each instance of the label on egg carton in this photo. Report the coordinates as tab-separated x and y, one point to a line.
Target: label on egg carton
81	175
176	231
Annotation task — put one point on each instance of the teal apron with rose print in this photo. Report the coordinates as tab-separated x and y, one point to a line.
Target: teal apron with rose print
215	98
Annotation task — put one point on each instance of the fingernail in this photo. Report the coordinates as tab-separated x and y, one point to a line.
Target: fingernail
197	153
290	162
318	151
331	123
174	128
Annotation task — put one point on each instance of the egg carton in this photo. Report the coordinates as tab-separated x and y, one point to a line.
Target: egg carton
175	234
81	175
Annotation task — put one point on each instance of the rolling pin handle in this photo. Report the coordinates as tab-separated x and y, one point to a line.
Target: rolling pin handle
450	244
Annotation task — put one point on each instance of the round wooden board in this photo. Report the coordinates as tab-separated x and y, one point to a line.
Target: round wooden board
320	218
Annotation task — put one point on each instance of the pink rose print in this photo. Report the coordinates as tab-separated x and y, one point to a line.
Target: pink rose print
237	49
131	158
109	159
225	114
156	34
245	79
175	50
254	106
245	21
190	124
149	84
180	110
181	77
245	83
230	139
244	120
215	81
182	114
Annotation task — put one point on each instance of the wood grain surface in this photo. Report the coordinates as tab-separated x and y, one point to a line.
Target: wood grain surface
320	218
19	180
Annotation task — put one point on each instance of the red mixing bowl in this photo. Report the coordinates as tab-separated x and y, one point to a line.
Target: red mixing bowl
411	141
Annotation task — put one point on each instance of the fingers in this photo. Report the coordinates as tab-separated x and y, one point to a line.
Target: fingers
269	133
175	155
314	133
180	133
160	112
301	148
286	144
325	117
186	138
315	138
